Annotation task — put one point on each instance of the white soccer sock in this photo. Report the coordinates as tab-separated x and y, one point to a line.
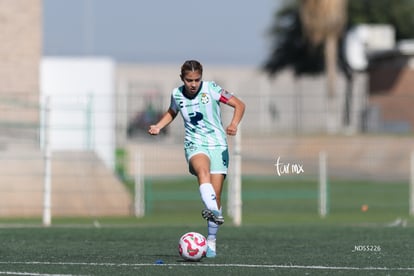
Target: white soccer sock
212	229
208	196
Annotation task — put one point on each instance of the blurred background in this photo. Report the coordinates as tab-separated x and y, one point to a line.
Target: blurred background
82	80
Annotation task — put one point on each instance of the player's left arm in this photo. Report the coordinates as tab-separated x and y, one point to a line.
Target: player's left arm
238	113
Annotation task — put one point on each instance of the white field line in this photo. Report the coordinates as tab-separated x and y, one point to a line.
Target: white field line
32	274
314	267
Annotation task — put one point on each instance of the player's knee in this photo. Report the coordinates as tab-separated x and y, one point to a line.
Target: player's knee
203	176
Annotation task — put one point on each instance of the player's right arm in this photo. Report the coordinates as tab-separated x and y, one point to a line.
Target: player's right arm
165	120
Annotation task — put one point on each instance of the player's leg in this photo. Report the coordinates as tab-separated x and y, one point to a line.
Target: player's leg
211	195
219	160
215	215
218	171
219	163
200	166
217	181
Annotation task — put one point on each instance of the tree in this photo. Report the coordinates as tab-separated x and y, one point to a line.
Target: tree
290	48
293	47
398	13
323	22
306	38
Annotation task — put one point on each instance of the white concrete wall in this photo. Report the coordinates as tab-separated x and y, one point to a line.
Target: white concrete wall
81	93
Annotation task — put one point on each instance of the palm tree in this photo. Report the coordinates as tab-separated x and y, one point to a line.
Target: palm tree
291	48
323	22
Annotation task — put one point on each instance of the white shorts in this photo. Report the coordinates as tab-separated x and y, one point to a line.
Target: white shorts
219	157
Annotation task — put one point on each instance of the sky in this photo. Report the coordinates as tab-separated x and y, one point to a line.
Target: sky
223	32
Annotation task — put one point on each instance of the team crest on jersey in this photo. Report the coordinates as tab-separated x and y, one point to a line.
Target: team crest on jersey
204	98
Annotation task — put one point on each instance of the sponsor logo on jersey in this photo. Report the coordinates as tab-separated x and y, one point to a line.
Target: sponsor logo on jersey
182	105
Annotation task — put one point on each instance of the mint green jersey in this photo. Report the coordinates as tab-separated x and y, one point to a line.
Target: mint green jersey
202	115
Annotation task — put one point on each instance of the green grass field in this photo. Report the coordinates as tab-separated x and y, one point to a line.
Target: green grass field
248	250
282	234
275	201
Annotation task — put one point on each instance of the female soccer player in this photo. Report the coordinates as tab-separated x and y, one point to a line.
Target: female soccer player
205	141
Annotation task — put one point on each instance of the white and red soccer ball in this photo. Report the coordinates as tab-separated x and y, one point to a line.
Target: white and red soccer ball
192	246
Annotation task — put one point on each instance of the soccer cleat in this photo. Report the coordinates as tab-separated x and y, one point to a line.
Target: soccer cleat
213	216
211	248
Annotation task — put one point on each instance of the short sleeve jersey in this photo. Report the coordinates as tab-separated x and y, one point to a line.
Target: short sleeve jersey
202	114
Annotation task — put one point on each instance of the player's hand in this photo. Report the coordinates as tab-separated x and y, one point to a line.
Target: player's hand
231	130
154	130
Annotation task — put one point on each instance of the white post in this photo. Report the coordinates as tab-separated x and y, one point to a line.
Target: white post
139	198
47	185
411	211
89	131
323	194
236	183
230	194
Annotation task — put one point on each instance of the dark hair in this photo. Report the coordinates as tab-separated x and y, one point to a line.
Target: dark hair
191	65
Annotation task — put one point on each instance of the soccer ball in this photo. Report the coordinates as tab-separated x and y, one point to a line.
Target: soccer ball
192	246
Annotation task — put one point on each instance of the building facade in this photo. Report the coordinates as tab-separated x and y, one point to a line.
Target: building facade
20	55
